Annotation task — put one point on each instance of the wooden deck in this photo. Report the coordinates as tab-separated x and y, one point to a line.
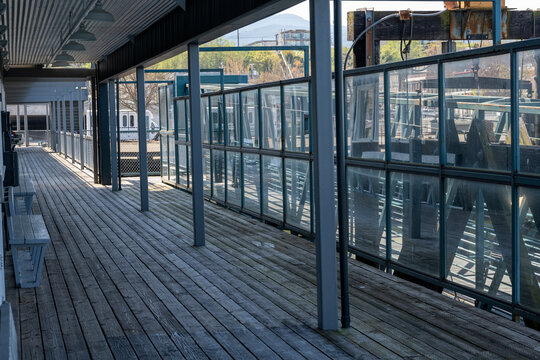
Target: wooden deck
118	283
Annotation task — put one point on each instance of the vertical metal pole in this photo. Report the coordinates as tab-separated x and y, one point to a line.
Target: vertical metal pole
112	129
118	165
516	239
497	13
388	175
26	140
95	144
343	220
58	127
143	159
52	144
64	122
81	128
18	118
72	127
442	161
325	230
196	144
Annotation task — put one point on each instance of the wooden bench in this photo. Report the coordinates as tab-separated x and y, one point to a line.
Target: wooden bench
25	190
28	238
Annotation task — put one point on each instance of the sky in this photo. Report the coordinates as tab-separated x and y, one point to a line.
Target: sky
302	9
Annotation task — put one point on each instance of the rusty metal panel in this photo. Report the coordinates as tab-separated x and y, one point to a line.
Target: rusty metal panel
475	25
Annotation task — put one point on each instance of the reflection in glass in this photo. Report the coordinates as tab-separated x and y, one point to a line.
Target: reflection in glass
272	195
183	162
271	118
365	116
479	236
529	111
234	178
414	115
250	118
297	120
297	177
182	120
172	158
529	231
478	113
366	204
217	119
207	176
232	102
415	221
252	182
205	110
218	172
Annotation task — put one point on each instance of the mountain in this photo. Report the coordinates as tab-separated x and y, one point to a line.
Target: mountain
267	29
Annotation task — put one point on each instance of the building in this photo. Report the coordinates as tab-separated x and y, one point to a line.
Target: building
293	38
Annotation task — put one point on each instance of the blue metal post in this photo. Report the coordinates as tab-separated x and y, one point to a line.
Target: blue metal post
53	126
112	129
388	177
514	122
442	164
26	140
321	106
497	13
64	118
196	144
143	158
81	128
72	128
104	143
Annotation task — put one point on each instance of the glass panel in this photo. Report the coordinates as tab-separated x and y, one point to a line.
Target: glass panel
414	113
218	180
479	236
297	179
529	111
252	183
234	178
529	228
162	108
181	113
271	118
365	116
297	120
172	159
233	119
170	106
216	115
415	221
250	118
272	195
164	156
367	223
207	182
477	118
124	121
205	120
183	165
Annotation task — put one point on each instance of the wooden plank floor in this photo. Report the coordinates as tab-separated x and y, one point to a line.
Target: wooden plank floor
118	283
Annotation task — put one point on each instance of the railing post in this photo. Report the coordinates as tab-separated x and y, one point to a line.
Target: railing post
81	128
196	144
18	118
325	230
72	128
141	118
514	123
112	129
26	140
65	125
47	127
52	144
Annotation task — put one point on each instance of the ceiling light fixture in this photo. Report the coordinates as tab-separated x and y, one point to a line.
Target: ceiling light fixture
73	46
83	35
64	57
3	43
2	8
3	29
98	14
4	54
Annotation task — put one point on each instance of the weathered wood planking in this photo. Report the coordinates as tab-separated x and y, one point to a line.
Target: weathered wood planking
124	284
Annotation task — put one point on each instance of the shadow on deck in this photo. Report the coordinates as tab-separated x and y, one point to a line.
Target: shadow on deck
118	283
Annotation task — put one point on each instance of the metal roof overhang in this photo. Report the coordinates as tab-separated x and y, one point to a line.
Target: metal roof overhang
202	21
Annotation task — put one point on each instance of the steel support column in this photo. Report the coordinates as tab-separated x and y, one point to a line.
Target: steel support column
343	222
321	106
47	122
18	118
104	146
118	161
58	127
141	119
52	144
196	144
81	128
26	125
72	128
112	129
95	144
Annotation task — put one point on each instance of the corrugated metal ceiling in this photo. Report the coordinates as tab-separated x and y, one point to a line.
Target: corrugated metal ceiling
36	27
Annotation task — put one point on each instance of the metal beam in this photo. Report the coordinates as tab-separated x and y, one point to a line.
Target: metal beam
196	144
181	4
141	118
112	129
321	106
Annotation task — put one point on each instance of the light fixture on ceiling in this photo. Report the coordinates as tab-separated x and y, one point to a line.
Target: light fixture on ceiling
2	8
64	57
3	29
73	46
98	14
82	34
3	43
4	54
